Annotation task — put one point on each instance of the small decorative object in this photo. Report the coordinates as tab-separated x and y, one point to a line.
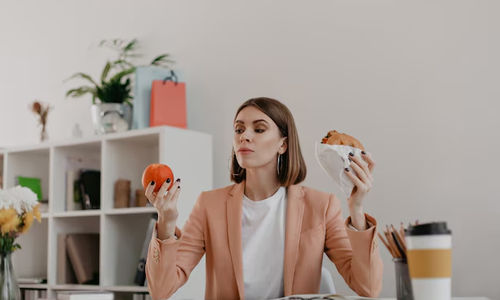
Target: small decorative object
41	110
18	208
76	132
111	95
140	198
122	193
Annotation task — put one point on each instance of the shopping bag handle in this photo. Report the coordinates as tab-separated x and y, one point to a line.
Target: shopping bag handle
172	77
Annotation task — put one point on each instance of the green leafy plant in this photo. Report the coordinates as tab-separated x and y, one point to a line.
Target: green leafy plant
114	85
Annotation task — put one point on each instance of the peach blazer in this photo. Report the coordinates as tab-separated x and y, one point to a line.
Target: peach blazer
314	225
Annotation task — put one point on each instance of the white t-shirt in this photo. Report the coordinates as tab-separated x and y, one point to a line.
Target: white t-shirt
263	241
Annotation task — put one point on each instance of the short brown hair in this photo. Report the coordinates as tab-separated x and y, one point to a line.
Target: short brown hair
293	167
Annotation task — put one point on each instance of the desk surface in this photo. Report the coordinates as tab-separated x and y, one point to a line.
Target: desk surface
318	297
454	298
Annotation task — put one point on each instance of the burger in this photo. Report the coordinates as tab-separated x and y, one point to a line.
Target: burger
334	137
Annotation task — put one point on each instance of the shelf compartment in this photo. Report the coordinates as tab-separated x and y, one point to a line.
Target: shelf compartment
126	158
31	260
124	236
66	225
70	159
28	163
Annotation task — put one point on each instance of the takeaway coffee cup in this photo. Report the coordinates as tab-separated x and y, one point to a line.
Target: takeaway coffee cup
429	260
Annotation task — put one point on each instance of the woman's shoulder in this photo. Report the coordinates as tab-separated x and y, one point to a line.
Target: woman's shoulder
217	194
312	192
314	196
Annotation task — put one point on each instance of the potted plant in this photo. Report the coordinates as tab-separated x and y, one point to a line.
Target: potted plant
111	109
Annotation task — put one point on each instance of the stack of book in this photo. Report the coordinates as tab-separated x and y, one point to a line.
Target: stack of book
33	294
141	296
78	258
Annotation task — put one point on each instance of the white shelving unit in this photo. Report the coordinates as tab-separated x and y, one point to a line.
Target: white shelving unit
122	230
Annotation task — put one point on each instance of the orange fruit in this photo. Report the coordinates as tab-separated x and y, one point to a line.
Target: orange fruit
159	174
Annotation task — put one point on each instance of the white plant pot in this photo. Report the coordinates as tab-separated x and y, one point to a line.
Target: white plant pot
111	117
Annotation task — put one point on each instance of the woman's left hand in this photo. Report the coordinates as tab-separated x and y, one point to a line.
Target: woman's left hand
361	176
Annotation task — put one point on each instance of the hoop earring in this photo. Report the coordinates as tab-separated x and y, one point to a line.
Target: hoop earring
278	165
240	170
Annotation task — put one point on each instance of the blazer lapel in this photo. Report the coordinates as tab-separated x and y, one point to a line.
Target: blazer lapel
294	212
234	211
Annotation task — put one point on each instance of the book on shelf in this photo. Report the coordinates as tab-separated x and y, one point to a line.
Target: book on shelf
83	189
84	295
33	183
90	189
65	272
83	253
72	190
75	165
140	274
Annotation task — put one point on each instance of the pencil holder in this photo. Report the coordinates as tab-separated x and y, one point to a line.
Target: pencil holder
403	282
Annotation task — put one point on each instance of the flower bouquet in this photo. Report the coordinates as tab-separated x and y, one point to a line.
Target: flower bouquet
18	209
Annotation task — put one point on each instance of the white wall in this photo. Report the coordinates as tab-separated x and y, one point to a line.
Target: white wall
415	81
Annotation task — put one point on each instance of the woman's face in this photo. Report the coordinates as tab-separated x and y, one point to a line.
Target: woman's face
257	139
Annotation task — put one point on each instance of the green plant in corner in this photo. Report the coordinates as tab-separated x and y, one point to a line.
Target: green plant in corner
114	85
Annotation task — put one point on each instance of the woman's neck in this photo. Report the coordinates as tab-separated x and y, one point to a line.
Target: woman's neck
260	183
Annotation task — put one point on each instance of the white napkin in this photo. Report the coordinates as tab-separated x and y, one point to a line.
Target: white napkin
333	159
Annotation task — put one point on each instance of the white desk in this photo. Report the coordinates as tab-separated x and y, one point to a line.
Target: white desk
306	297
454	298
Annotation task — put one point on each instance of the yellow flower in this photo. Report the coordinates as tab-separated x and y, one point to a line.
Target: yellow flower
6	215
11	224
36	212
27	221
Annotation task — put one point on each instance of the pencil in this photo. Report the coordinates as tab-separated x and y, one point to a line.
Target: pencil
385	243
399	239
391	242
402	230
398	245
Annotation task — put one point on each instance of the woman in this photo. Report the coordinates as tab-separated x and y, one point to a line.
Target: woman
264	236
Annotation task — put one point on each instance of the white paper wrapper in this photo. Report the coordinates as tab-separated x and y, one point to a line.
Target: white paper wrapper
333	159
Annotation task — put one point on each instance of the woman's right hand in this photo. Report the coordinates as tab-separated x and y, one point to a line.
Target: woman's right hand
165	203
